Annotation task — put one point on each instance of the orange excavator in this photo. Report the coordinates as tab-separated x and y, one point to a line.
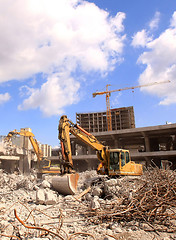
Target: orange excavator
113	162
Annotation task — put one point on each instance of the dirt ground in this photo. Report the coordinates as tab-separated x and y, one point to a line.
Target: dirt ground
125	208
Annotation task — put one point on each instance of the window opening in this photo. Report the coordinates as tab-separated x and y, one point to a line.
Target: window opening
122	159
114	161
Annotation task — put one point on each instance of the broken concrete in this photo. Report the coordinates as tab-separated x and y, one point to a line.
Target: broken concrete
40	196
38	205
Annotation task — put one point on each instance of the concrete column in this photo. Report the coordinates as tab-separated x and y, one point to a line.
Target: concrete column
26	164
116	143
46	146
73	148
147	142
21	164
148	161
49	151
25	160
79	150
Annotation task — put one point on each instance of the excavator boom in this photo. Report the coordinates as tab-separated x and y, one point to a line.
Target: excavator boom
112	161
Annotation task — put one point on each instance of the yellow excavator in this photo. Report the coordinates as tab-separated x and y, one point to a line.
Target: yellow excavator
43	164
63	183
113	162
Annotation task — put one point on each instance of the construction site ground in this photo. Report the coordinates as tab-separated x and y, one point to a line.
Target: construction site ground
104	208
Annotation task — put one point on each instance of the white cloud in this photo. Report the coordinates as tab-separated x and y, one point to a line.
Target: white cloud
155	21
173	20
52	36
4	98
160	63
140	39
59	91
143	37
115	100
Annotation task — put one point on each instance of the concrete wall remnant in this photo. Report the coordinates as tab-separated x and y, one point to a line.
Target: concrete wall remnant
18	153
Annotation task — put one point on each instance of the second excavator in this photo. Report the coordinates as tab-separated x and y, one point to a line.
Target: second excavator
63	183
43	164
113	162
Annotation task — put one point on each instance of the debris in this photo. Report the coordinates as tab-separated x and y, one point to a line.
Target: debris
50	197
83	193
40	196
154	202
46	184
95	204
45	196
141	208
97	191
37	228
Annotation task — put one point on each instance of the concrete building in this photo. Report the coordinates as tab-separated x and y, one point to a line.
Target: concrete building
147	144
46	150
122	118
17	154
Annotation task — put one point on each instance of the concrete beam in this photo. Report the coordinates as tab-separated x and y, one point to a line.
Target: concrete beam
10	158
75	157
154	154
133	155
137	132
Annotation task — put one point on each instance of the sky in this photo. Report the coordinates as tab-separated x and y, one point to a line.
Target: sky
55	53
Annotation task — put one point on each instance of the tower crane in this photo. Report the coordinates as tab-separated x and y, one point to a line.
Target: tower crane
108	93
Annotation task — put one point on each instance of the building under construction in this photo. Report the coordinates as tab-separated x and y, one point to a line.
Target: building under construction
122	118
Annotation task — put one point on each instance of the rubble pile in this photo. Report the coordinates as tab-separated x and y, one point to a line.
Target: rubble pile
3	149
103	209
7	148
153	202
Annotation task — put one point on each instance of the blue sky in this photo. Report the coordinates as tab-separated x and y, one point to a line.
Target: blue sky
54	54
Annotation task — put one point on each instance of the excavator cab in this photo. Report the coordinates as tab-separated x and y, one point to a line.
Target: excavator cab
119	163
114	163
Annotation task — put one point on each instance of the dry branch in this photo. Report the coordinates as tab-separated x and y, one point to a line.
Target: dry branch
153	203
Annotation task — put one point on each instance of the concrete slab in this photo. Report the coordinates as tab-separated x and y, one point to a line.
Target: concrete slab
10	158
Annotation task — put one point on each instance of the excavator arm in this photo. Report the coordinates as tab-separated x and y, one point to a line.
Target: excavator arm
67	182
67	127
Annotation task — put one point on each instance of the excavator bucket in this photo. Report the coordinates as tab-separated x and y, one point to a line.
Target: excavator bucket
66	184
